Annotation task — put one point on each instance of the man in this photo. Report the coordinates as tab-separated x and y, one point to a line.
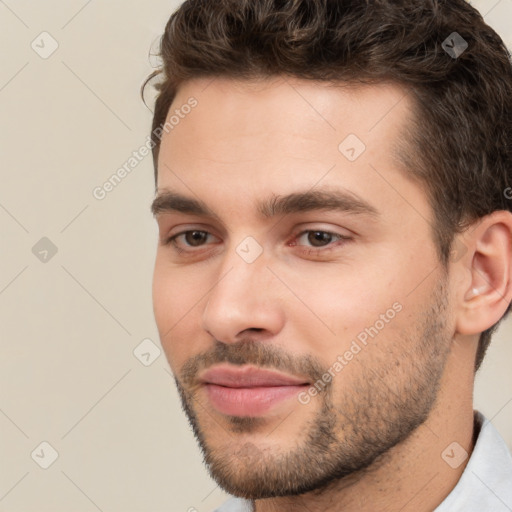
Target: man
335	248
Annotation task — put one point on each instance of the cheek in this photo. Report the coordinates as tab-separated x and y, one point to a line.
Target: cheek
341	308
169	306
342	299
177	309
174	293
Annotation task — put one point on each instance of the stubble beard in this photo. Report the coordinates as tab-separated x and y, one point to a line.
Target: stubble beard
349	434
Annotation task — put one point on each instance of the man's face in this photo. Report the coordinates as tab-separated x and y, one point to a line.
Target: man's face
305	341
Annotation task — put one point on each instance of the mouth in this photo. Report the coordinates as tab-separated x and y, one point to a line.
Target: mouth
247	390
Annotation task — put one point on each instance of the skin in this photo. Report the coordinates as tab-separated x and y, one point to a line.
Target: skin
376	434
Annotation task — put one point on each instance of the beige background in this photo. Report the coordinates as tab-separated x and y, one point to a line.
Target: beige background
69	326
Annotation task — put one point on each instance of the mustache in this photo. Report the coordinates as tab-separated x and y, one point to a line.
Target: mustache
259	354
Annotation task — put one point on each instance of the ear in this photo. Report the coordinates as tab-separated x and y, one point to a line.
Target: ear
484	297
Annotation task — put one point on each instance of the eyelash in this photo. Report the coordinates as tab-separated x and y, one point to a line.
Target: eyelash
342	239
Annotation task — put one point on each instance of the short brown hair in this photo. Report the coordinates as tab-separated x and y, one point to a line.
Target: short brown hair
460	147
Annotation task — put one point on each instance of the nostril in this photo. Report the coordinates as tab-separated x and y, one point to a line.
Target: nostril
254	329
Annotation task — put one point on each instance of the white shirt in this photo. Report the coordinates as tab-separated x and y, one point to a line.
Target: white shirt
484	486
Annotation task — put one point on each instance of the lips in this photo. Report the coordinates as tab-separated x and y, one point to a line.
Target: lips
248	391
248	377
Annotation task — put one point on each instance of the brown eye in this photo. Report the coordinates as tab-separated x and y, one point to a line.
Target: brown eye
195	238
319	242
319	238
190	239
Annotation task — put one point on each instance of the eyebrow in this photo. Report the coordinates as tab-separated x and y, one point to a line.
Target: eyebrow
296	202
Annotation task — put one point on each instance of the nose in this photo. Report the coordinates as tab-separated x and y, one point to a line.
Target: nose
243	300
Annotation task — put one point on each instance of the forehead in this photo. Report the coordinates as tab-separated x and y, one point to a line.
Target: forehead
271	136
279	111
